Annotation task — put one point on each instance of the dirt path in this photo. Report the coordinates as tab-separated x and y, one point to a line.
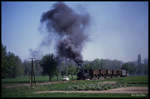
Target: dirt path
116	90
46	83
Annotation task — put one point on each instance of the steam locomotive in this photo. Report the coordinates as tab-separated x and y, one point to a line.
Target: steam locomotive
84	74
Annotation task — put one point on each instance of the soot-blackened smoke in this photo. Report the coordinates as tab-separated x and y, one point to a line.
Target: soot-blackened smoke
70	26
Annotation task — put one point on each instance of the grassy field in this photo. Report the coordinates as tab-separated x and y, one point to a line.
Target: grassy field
25	79
26	91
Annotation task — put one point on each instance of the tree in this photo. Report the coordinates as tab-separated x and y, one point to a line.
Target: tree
38	69
130	67
86	65
49	65
27	67
19	69
14	64
96	64
63	69
4	61
72	70
57	73
142	69
11	64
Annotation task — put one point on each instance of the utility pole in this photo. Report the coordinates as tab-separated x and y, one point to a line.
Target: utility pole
32	80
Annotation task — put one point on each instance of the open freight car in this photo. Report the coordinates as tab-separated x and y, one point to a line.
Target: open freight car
99	73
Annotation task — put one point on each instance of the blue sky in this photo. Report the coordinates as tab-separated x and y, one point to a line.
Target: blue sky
118	30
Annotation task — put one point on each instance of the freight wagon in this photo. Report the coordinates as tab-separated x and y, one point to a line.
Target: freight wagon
99	73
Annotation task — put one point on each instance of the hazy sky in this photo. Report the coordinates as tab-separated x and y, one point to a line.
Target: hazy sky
118	30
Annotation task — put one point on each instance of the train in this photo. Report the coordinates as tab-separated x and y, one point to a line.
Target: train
90	74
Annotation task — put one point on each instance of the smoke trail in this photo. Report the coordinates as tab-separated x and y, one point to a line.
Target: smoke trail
69	26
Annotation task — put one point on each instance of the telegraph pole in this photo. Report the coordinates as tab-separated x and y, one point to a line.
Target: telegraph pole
32	80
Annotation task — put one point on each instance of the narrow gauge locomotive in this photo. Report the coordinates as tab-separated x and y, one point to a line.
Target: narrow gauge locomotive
98	73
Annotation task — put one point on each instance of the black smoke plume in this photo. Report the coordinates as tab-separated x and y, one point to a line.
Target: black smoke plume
69	26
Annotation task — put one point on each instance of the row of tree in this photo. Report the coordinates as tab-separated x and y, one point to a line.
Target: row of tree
12	66
133	68
50	66
136	69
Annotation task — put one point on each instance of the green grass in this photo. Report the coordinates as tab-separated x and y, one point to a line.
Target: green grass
131	80
28	92
25	91
26	79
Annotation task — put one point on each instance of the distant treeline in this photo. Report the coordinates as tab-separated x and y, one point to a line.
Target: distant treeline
12	66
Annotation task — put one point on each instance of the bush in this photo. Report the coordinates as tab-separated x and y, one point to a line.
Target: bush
96	86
